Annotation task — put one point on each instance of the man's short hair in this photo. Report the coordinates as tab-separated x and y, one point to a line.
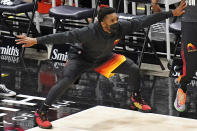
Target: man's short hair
105	11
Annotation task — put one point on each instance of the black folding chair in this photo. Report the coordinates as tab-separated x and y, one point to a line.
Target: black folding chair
10	20
71	17
136	38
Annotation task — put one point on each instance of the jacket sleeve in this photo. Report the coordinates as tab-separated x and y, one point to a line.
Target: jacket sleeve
130	26
74	36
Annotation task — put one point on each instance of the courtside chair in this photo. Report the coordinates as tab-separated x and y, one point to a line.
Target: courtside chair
11	21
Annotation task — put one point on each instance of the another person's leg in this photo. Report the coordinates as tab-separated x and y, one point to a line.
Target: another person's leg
132	70
189	55
189	69
71	72
3	90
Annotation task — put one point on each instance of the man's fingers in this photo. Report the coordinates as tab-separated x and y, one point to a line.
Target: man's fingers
184	6
20	42
27	45
21	36
182	13
182	3
24	45
23	40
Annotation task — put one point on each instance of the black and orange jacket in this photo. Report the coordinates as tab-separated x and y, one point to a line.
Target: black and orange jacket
97	44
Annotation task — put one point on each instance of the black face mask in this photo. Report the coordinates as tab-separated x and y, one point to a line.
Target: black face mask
115	28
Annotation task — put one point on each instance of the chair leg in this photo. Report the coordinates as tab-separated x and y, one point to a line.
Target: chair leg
31	25
178	38
143	48
95	11
28	32
57	24
142	52
33	14
155	53
146	41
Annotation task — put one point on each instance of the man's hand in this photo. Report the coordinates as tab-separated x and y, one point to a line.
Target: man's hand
155	6
27	41
180	9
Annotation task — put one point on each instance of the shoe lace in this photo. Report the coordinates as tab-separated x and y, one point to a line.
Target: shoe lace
3	88
43	116
139	99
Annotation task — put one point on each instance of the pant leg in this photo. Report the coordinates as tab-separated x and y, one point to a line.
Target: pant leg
131	69
72	70
188	53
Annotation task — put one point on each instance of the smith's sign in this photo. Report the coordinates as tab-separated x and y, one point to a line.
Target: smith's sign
56	55
9	50
59	53
8	46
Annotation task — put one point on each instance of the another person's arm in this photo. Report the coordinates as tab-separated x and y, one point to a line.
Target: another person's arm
74	36
155	6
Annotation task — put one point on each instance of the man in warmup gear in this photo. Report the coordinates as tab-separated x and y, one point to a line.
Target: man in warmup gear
97	42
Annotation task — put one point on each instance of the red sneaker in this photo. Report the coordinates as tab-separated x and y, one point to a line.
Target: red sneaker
42	121
138	103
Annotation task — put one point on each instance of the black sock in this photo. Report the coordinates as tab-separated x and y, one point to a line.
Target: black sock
44	108
136	93
184	87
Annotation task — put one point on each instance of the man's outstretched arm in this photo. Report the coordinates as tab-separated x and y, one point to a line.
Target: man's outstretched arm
74	36
144	21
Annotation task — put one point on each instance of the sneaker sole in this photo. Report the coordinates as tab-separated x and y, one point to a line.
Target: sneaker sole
45	127
50	127
7	94
175	106
140	110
